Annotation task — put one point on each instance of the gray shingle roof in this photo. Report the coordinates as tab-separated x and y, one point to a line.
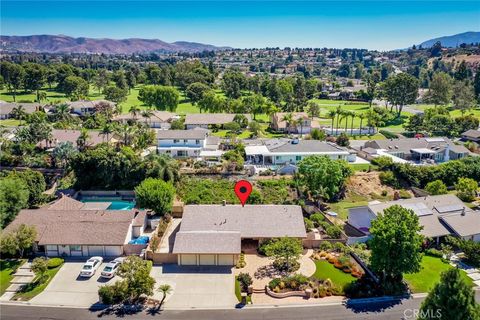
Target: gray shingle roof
197	134
58	135
405	145
463	225
472	134
211	118
28	107
219	242
302	146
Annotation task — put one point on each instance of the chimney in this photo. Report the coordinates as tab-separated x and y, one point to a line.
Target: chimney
224	203
463	211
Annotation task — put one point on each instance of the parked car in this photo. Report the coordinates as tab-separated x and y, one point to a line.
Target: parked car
91	266
111	268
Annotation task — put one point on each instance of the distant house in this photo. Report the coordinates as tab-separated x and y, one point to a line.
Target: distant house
6	108
471	135
276	152
278	124
186	143
418	150
217	234
68	228
440	216
87	107
158	119
59	135
204	120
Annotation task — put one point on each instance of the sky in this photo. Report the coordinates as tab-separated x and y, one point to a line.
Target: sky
381	25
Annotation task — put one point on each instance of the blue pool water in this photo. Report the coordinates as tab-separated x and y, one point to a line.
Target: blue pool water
115	203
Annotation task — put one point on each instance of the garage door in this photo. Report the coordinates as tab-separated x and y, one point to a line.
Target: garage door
207	259
225	260
95	250
113	251
188	259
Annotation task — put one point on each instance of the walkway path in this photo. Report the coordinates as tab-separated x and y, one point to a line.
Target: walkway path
23	276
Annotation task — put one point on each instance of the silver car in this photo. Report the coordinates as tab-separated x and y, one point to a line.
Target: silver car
91	266
111	268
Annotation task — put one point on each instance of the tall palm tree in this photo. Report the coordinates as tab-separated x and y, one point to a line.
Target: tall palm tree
163	166
345	115
164	289
19	113
299	123
147	114
339	113
62	112
134	110
331	115
127	133
288	118
352	114
42	95
361	115
106	130
62	153
82	139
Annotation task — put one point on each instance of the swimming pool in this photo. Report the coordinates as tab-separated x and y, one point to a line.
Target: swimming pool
116	204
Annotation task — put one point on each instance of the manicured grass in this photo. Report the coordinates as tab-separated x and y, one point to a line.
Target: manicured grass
325	270
429	275
361	166
35	288
10	122
353	200
7	269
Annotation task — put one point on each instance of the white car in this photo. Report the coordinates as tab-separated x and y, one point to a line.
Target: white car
111	268
91	266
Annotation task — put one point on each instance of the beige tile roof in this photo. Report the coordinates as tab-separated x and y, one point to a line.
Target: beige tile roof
71	136
211	118
66	203
218	242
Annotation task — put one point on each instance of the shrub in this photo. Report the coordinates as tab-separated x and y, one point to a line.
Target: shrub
342	140
388	178
404	194
339	247
274	283
54	262
317	218
245	280
333	232
383	162
325	245
466	189
241	262
155	194
434	252
308	224
436	187
388	134
113	294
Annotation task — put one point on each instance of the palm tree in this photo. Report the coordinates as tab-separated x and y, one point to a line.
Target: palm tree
345	115
339	113
352	114
62	112
163	166
299	123
106	130
82	139
127	133
164	289
134	110
147	114
361	116
42	95
288	118
62	153
19	113
331	115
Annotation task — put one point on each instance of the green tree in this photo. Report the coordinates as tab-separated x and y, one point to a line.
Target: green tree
40	268
322	176
161	97
476	84
136	274
13	197
285	251
35	77
463	97
450	299
255	128
63	153
35	182
162	167
313	109
400	90
165	289
18	240
466	189
211	102
75	88
440	91
436	187
195	91
13	75
155	194
317	134
115	94
395	230
19	113
233	82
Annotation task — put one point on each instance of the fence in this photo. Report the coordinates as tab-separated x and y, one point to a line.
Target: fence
161	257
133	249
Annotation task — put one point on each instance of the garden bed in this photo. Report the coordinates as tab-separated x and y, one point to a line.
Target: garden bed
35	287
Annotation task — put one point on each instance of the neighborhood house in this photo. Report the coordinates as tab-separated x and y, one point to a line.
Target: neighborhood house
204	120
156	120
61	136
87	107
217	234
7	108
305	126
187	143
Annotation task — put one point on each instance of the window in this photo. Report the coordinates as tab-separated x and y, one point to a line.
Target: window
51	247
176	141
197	141
75	248
298	158
278	157
185	141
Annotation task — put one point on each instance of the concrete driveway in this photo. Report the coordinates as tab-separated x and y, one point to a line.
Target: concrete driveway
68	289
196	287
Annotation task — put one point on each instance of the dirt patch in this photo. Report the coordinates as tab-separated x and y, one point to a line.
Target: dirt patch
472	60
367	184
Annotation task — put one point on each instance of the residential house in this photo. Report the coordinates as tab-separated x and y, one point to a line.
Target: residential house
6	108
59	135
186	143
279	124
69	228
471	135
417	150
274	152
87	107
217	234
204	120
440	216
158	119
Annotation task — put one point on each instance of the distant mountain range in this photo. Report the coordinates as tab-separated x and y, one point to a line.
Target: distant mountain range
66	44
454	40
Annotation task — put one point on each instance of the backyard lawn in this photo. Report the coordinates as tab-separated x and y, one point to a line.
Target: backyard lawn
34	288
7	269
432	267
325	270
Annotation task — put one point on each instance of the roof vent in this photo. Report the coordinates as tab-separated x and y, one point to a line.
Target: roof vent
463	211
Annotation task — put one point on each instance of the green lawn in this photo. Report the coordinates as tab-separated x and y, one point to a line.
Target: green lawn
7	269
353	200
34	288
432	267
362	166
10	122
325	270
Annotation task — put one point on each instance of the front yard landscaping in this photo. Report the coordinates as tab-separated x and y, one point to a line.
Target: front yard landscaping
7	269
36	286
425	279
325	270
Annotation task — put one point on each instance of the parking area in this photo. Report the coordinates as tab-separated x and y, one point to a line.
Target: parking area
68	289
197	287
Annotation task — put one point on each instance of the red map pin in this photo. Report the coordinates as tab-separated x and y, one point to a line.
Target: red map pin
243	188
